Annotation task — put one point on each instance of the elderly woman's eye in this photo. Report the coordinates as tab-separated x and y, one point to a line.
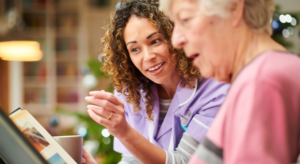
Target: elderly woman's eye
185	20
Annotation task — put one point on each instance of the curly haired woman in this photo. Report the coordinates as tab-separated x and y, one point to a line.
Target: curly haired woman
160	101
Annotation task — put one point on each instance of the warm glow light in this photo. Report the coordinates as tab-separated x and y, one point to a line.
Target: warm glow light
20	51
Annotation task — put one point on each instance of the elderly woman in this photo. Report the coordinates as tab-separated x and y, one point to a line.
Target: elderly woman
162	107
229	40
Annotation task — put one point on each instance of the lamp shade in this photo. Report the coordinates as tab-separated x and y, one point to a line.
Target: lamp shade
20	51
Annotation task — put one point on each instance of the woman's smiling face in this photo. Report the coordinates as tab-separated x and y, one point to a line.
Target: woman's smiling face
148	52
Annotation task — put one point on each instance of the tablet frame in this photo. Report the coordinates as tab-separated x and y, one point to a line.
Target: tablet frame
14	146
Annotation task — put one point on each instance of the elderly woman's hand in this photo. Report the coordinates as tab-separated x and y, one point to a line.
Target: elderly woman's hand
108	111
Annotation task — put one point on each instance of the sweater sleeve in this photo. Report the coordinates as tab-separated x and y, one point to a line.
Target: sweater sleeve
184	151
128	159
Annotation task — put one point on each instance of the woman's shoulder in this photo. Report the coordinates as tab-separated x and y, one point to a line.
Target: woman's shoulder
128	107
208	87
208	92
208	98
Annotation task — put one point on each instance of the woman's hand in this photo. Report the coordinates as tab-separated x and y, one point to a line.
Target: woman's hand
111	109
109	112
87	158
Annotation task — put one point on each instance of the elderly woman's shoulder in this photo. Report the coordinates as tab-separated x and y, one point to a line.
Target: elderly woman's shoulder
272	67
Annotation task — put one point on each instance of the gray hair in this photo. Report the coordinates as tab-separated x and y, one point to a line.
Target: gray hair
257	13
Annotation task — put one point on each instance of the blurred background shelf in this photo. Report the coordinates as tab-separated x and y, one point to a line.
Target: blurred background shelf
35	33
70	84
67	95
53	89
33	84
63	5
66	57
38	109
59	26
68	106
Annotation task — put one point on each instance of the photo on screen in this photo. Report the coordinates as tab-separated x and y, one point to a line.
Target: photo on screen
34	136
56	159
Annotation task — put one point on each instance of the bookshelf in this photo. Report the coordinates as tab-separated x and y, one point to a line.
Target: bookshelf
54	81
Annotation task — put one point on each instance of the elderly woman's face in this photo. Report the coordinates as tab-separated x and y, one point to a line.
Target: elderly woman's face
148	52
204	38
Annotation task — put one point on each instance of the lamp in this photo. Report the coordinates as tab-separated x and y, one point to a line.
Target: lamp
20	51
13	45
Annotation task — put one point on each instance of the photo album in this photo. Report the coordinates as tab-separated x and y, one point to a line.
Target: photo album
40	138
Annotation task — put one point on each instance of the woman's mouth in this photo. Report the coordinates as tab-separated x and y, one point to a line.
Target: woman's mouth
153	69
156	70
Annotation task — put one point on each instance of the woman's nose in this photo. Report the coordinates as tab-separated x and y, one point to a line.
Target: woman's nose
149	54
178	39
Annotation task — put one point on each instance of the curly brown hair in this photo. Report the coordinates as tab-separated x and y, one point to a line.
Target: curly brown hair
126	78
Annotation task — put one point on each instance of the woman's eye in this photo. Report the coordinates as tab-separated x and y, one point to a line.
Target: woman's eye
134	50
155	41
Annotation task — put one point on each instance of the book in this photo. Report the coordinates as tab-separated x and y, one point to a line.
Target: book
37	135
